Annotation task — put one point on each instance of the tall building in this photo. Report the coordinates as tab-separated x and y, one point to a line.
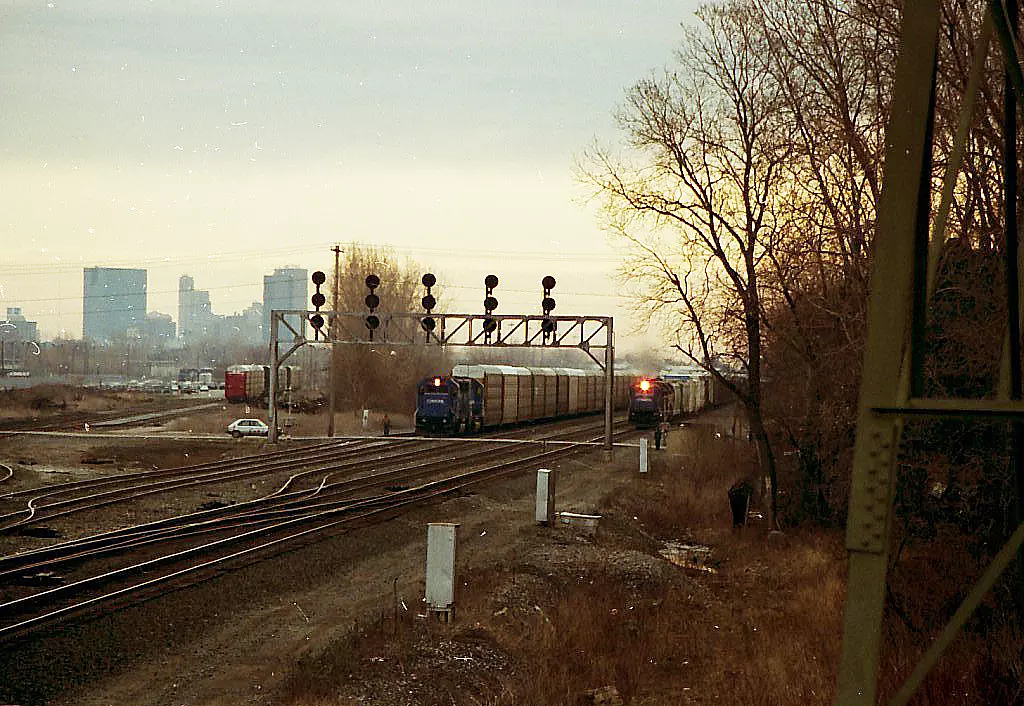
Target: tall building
114	302
195	315
285	289
16	333
246	327
196	320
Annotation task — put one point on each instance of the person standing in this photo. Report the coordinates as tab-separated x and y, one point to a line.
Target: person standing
386	422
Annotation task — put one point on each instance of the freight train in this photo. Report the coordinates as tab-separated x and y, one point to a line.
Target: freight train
475	397
656	400
251	383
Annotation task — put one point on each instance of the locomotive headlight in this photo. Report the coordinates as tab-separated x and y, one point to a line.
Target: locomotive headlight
437	382
645	385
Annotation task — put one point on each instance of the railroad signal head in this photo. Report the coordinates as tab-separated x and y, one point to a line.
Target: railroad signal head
427	323
490	325
547	325
372	300
547	304
490	303
318	298
317	322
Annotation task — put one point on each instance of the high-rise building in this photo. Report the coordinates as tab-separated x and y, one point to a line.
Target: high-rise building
16	333
195	315
114	302
285	289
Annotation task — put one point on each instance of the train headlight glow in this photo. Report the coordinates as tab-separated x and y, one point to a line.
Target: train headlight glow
437	382
645	385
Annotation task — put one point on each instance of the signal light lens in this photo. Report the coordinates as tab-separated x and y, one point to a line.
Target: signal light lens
372	281
317	321
428	302
490	325
372	301
372	322
429	280
547	304
319	299
547	325
428	323
645	385
491	281
319	277
490	304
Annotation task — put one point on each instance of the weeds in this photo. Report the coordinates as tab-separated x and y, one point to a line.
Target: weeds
764	629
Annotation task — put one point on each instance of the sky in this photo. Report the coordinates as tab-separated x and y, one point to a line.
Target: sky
223	139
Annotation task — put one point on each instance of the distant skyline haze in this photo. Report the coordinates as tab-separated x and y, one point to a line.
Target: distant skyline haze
224	140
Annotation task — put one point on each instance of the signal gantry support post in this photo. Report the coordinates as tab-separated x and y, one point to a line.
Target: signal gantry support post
408	329
609	386
272	382
277	318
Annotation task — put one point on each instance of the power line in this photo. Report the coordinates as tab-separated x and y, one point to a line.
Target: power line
47	268
50	267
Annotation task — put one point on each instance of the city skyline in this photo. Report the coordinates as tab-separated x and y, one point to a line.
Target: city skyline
233	299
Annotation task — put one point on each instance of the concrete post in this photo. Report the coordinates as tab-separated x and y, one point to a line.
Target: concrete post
545	512
440	594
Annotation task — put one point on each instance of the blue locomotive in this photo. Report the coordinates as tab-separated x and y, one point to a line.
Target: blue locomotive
656	400
449	405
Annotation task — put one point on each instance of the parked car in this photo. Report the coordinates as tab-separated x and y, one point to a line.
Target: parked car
248	427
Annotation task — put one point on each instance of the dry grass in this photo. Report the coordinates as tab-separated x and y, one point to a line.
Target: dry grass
762	629
48	401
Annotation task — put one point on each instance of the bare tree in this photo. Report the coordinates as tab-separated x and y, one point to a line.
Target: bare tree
832	61
380	377
699	202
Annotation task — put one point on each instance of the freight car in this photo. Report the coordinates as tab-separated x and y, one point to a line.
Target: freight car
478	396
251	383
655	400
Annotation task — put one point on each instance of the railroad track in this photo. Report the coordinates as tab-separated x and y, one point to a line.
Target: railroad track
129	564
114	418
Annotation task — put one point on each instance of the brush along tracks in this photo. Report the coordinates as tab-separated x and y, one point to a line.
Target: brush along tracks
348	485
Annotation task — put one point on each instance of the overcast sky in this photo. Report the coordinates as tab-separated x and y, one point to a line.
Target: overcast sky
223	139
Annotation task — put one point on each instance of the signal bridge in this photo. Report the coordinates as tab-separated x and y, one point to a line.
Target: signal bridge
589	334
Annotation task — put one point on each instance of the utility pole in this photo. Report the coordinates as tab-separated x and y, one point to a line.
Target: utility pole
333	375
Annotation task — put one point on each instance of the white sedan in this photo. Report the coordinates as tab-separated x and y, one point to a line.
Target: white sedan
248	427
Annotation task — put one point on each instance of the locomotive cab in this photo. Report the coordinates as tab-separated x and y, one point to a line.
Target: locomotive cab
448	405
647	401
